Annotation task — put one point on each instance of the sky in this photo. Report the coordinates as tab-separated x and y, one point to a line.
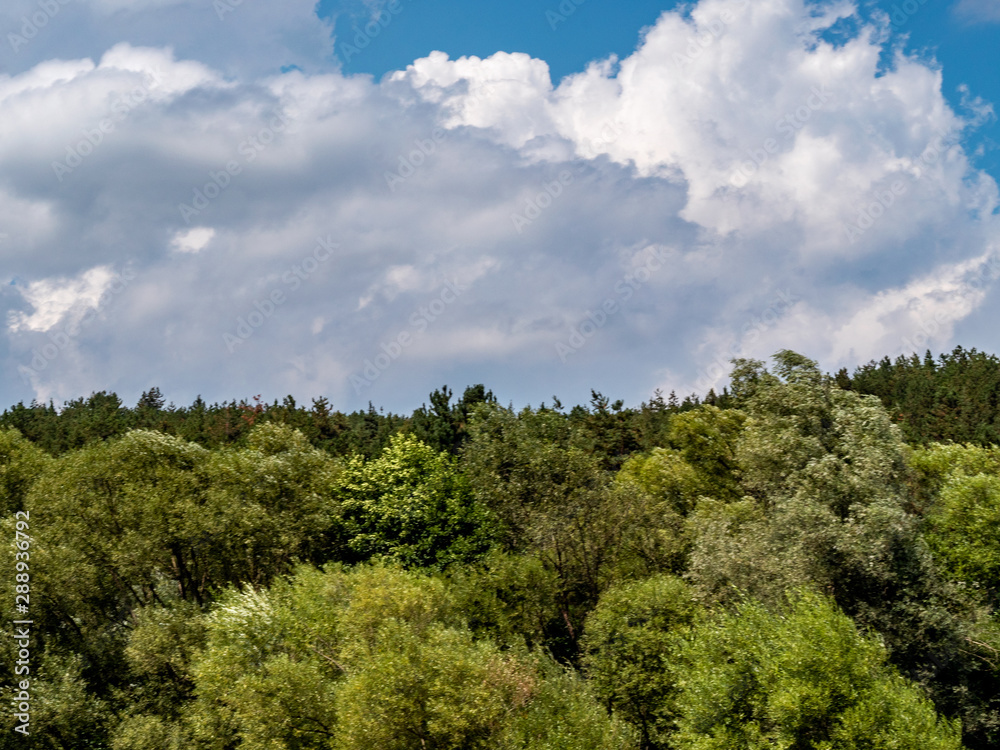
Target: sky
366	200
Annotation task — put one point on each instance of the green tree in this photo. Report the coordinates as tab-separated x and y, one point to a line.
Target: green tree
160	651
829	507
801	677
563	714
938	463
962	489
413	505
432	689
552	500
701	460
515	599
952	398
631	650
808	438
269	505
606	430
707	438
666	477
258	685
21	463
373	656
444	426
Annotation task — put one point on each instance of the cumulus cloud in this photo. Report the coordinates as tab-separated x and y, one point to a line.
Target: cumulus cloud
862	326
763	134
735	186
240	39
54	300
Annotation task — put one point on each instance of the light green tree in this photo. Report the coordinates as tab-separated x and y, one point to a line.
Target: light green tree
433	689
373	656
962	507
666	477
21	463
807	438
801	677
564	714
413	505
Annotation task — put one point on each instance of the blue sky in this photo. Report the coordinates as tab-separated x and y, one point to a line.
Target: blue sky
962	38
567	41
230	198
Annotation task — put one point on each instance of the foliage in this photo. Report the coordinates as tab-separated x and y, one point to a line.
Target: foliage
372	657
962	498
445	427
632	645
21	463
965	531
132	514
808	438
799	677
552	500
956	397
830	508
512	598
564	715
700	462
411	504
771	567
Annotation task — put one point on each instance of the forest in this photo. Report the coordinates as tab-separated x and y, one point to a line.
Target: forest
804	561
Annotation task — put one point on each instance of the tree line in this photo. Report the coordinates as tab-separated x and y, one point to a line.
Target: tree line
801	561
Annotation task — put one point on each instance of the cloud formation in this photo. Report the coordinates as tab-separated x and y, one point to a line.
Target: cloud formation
460	221
239	38
979	10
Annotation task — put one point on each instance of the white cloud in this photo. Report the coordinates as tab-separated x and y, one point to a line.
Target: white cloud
891	322
193	240
651	148
979	10
761	132
923	313
243	39
55	300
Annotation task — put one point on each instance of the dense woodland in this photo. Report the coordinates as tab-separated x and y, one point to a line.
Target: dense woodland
802	561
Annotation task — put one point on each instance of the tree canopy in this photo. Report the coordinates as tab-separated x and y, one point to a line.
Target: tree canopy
803	561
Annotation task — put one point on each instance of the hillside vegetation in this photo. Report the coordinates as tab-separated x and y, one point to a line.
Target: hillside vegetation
803	561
